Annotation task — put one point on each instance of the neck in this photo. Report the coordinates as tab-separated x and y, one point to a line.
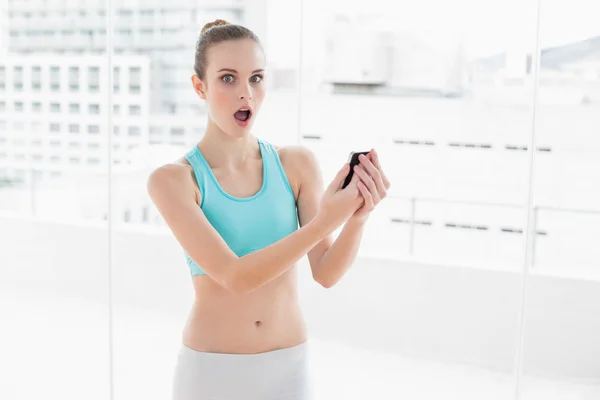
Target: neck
224	150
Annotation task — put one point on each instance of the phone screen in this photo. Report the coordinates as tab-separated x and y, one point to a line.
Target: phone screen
353	160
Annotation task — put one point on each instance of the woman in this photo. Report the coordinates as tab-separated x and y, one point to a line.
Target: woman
234	203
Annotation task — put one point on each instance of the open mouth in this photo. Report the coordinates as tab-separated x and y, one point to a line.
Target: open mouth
243	115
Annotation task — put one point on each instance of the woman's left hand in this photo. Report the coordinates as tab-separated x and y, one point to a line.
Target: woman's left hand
373	184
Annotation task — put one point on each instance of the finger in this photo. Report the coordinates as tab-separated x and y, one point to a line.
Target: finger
375	173
337	181
373	166
375	160
368	181
369	204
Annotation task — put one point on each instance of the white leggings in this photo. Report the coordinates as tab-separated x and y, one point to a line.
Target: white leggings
279	374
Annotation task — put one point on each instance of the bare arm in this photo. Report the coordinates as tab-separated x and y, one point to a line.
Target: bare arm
340	256
328	260
173	192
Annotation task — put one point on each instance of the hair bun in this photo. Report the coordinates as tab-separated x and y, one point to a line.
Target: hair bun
216	22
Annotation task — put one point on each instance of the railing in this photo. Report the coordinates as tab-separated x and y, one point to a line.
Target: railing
413	221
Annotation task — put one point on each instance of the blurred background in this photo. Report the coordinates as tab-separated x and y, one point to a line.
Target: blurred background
478	277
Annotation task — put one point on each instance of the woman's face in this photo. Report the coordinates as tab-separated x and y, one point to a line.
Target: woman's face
234	86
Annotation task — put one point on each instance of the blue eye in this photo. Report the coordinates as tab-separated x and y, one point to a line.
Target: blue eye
260	78
224	78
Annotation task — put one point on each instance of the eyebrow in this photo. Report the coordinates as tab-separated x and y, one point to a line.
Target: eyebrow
234	71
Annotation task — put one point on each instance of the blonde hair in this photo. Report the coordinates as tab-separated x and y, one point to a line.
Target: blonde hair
215	32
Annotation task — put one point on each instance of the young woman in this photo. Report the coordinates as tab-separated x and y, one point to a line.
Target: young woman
244	212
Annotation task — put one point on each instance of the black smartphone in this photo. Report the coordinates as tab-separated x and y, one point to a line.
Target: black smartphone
353	160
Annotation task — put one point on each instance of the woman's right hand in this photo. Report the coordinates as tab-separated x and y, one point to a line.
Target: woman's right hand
337	204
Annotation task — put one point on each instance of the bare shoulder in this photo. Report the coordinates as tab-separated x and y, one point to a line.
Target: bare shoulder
298	158
176	178
300	165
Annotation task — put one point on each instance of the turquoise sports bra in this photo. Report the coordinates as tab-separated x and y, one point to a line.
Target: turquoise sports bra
250	223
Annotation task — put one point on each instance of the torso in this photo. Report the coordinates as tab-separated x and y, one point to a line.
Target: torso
268	318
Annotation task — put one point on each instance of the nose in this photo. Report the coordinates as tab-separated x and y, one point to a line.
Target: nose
246	92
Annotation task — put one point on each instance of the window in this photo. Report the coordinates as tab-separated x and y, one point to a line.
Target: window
395	78
36	78
94	109
116	79
177	131
134	131
18	78
19	106
73	79
134	80
134	109
93	79
55	78
54	127
36	126
2	78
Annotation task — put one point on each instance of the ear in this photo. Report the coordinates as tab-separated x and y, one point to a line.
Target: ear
199	86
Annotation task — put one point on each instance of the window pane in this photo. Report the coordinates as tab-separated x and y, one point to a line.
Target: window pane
157	118
94	78
54	251
36	78
443	252
74	78
563	302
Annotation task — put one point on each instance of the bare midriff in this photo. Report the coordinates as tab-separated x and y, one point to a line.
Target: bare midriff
268	318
